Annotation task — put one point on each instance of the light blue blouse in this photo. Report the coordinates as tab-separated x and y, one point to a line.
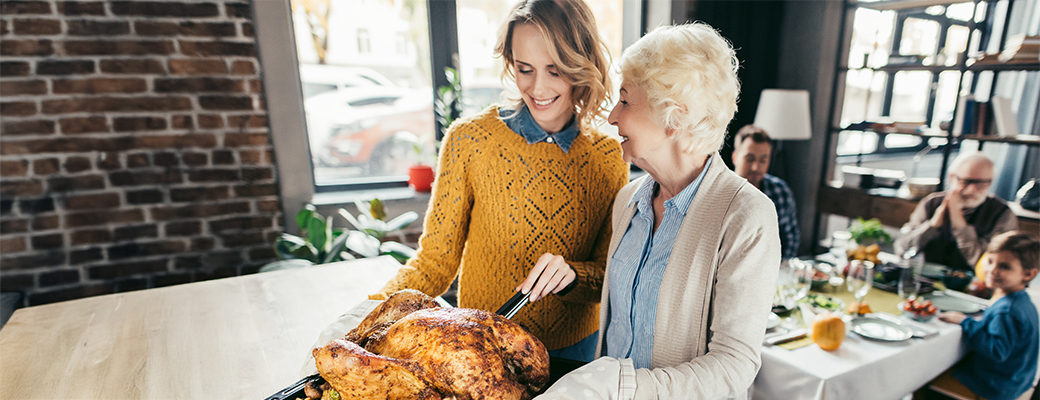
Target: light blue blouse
637	268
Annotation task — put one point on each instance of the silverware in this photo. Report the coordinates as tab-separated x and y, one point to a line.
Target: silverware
791	335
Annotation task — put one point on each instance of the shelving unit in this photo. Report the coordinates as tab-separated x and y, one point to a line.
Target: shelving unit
894	211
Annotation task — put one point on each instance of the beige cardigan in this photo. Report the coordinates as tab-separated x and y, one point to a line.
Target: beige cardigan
715	296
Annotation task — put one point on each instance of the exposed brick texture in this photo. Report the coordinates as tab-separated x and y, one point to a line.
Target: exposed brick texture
136	151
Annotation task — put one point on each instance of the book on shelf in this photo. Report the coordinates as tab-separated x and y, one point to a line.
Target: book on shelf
1021	48
973	117
959	119
1004	117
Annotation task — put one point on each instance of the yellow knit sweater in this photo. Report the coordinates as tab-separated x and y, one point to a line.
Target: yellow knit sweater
499	203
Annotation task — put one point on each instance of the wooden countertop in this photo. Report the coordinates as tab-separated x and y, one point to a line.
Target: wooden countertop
235	338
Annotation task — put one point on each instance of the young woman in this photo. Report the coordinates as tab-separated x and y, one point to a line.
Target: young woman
523	193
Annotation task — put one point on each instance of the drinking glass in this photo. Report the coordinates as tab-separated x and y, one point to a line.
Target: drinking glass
909	286
800	278
860	278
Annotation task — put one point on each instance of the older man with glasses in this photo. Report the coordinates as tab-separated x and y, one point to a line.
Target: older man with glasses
954	227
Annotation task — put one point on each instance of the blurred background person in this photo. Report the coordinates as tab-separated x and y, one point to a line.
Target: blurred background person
523	192
954	227
752	152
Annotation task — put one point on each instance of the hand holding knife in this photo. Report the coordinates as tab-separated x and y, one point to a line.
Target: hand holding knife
551	274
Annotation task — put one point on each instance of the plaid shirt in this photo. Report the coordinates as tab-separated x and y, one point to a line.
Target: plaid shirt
786	211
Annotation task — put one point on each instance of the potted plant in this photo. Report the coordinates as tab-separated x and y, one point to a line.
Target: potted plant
321	243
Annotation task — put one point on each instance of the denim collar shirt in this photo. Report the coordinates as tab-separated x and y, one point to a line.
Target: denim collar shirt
637	269
522	122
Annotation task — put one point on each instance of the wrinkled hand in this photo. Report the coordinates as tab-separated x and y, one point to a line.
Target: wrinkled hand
940	214
550	275
955	208
952	317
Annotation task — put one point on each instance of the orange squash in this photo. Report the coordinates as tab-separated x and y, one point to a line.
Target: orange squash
828	331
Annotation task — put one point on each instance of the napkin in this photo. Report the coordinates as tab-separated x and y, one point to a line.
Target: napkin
797	344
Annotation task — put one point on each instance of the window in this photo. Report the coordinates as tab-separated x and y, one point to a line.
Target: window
481	71
365	107
903	67
362	89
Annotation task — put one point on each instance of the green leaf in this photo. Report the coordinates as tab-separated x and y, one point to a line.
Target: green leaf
316	232
377	210
336	249
363	244
304	216
327	243
285	264
398	251
286	244
402	221
306	252
863	231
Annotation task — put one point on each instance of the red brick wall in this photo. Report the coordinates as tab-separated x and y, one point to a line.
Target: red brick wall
134	148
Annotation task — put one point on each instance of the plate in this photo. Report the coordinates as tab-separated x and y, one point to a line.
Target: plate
821	302
951	303
881	329
933	270
774	321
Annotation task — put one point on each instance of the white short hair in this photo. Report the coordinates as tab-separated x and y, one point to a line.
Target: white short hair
689	73
969	158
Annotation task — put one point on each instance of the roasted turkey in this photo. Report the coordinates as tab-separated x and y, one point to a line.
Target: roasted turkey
409	348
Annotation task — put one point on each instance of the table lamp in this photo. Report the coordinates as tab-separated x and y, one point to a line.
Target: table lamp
784	114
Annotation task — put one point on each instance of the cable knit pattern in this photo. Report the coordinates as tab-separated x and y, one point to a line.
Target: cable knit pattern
499	203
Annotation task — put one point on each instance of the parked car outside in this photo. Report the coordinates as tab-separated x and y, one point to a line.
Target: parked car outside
320	78
371	127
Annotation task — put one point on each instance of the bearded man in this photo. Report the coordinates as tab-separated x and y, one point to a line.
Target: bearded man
954	227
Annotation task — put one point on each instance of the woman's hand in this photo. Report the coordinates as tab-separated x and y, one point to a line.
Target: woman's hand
952	317
550	275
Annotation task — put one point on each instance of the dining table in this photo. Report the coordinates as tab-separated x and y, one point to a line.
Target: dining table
862	368
234	338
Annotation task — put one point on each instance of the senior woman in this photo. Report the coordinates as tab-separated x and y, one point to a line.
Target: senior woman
696	248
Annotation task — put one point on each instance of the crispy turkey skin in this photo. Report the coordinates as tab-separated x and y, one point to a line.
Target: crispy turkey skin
408	348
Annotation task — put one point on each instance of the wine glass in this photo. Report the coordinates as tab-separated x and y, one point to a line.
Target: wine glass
793	284
908	286
860	278
799	280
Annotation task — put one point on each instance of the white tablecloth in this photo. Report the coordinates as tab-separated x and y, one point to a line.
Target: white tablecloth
860	369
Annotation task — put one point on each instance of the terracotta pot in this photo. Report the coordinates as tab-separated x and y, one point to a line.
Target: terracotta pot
420	178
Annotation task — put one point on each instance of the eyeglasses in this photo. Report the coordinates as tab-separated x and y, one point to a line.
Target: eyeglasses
981	183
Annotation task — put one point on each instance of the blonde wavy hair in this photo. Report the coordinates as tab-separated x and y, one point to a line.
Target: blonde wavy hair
689	73
577	50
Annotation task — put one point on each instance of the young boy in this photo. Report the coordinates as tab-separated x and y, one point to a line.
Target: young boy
1003	345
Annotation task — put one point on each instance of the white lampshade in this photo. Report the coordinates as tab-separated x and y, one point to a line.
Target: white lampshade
784	114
